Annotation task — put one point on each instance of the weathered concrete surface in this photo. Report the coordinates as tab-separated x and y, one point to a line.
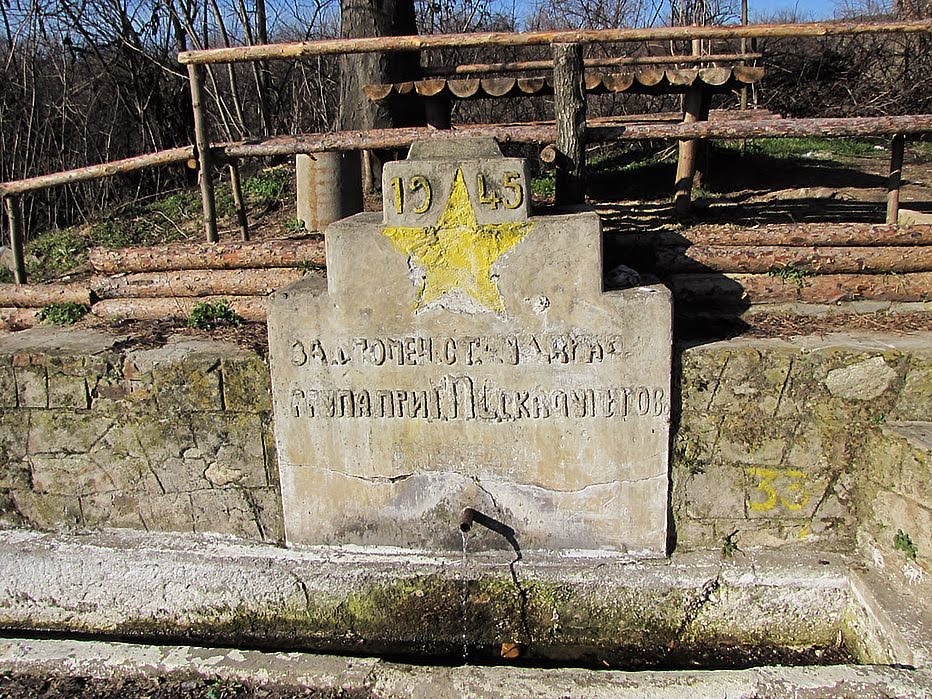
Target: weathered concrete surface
773	444
218	590
384	680
533	397
894	507
174	439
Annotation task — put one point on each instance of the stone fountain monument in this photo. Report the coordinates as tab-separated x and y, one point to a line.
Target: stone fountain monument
462	353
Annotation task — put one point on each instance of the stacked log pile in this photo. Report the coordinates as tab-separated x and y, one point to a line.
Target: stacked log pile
707	268
152	283
824	263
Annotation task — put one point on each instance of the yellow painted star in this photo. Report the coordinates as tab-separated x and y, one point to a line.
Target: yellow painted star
457	252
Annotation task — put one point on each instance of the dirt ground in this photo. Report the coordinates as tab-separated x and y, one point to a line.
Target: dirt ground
26	686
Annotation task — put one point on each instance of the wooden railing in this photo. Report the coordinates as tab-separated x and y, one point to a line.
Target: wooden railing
570	131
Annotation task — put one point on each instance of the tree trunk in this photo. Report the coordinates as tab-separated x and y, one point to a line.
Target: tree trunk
374	18
369	18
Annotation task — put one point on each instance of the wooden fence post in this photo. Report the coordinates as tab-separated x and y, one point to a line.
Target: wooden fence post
570	111
14	215
202	140
686	162
893	183
238	204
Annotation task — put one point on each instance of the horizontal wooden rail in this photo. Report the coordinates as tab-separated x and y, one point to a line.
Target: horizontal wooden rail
332	47
541	132
93	172
517	66
595	132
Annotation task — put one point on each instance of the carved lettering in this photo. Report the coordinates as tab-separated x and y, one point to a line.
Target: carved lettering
457	397
468	351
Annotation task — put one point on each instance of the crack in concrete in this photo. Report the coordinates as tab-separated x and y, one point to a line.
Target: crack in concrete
718	383
786	381
694	608
149	466
475	479
371	479
254	508
303	587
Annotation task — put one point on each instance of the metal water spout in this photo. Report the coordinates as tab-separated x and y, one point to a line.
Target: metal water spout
466	519
470	516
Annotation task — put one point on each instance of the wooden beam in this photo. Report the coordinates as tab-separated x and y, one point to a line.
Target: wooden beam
171	156
202	140
893	182
596	132
14	217
331	47
569	104
519	66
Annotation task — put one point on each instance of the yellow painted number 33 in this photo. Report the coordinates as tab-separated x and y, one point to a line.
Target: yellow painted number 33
772	488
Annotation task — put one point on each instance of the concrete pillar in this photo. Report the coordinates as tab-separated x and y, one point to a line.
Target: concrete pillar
329	187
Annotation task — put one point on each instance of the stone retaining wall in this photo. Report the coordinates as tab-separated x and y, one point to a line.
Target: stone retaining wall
774	440
176	438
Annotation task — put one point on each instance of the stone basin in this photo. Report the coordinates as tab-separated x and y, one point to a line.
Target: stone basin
582	609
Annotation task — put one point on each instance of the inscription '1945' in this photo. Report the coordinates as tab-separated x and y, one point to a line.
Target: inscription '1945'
459	398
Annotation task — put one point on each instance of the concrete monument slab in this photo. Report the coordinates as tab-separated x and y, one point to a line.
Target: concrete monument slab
470	358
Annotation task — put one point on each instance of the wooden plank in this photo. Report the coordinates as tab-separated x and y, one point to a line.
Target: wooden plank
18	318
686	160
226	255
239	205
497	87
761	259
429	88
715	76
332	47
464	88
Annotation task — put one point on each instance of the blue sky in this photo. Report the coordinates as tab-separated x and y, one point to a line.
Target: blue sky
806	9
